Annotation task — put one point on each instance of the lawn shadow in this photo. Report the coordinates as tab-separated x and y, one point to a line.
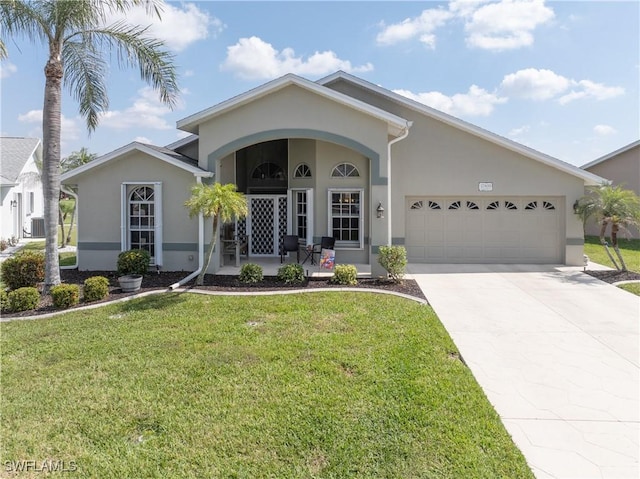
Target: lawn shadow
153	302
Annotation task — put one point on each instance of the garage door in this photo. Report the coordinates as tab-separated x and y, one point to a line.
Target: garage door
484	229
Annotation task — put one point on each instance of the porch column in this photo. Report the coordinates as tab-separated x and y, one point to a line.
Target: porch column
380	232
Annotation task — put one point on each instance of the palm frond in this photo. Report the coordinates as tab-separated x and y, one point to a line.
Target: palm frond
84	75
25	19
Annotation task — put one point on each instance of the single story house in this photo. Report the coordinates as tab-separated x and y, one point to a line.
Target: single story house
338	157
622	167
21	196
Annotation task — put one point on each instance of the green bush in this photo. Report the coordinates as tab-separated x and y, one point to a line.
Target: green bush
291	273
65	295
23	269
394	260
95	288
134	261
23	299
4	300
250	273
345	274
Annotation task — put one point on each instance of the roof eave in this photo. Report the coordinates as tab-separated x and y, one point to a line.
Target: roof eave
608	156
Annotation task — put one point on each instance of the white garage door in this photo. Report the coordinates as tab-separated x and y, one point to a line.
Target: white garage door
484	229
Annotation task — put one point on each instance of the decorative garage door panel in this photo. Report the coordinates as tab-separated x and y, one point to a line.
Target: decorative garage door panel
484	229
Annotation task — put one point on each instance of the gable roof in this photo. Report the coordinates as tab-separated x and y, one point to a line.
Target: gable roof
15	152
587	177
396	125
613	154
159	152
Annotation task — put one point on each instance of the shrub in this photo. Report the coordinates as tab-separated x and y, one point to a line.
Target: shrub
65	295
23	299
394	260
345	274
134	261
250	273
23	269
4	300
291	273
95	288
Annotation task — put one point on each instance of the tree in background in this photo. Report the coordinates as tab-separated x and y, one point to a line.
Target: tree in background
67	205
78	40
611	205
220	202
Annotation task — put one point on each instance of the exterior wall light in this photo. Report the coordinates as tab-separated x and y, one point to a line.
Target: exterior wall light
13	203
576	205
380	211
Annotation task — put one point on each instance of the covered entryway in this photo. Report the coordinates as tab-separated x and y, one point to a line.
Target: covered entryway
484	229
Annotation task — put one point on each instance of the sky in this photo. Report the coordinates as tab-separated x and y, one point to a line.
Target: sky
560	77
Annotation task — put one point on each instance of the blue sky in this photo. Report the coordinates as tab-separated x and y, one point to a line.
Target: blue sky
560	77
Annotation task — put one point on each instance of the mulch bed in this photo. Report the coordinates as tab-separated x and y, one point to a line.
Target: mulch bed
162	280
613	276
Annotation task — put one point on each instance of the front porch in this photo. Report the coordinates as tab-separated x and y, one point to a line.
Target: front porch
270	267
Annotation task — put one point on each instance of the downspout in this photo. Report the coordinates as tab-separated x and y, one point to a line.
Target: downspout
391	143
200	249
71	193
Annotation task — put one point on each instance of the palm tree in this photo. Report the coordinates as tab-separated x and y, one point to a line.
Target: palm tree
611	205
78	39
220	202
74	160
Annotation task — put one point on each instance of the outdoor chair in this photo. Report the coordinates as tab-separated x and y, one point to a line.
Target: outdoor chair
289	243
326	242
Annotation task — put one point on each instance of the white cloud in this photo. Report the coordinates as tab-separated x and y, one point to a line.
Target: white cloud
476	102
534	84
143	139
147	111
179	26
7	69
604	130
189	73
69	127
422	27
254	59
588	89
519	131
506	25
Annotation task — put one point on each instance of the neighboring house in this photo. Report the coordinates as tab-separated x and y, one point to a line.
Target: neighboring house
321	158
21	188
622	167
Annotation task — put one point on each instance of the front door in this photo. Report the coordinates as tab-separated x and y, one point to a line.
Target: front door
265	224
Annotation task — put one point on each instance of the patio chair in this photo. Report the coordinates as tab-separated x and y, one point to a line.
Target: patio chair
289	243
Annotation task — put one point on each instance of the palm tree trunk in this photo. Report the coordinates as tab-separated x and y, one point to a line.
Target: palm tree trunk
603	242
614	243
73	217
51	164
212	245
61	220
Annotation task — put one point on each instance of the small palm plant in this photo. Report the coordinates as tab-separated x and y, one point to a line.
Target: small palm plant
611	205
220	202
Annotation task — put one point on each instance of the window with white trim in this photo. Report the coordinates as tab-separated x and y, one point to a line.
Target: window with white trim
345	217
300	227
142	219
302	171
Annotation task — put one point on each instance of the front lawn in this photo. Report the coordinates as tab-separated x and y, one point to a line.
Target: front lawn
630	249
312	385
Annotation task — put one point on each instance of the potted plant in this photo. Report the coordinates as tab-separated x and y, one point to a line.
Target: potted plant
132	265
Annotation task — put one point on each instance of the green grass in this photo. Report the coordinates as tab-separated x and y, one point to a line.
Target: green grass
630	249
65	258
190	386
631	287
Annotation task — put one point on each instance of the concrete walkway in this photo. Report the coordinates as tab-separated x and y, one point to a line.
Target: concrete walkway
557	353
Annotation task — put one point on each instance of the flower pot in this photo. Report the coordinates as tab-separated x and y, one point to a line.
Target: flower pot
130	283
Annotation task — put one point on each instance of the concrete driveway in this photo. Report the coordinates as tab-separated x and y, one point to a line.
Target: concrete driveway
557	353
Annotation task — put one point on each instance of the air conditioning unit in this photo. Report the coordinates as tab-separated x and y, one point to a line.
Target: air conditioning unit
37	227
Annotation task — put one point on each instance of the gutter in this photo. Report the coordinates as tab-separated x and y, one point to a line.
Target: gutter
391	143
200	250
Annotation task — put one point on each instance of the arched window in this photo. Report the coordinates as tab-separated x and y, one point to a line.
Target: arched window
302	171
142	219
345	170
269	171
